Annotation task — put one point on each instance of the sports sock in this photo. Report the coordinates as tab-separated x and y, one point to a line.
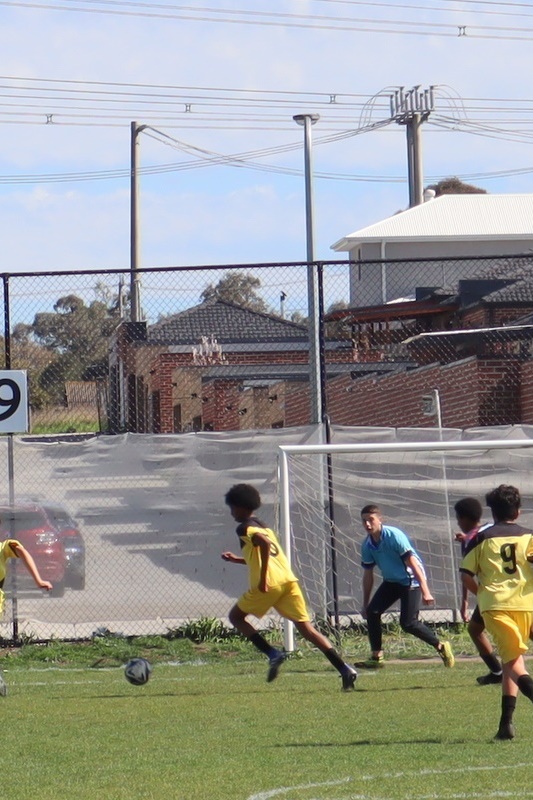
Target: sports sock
492	663
335	659
258	641
508	707
525	684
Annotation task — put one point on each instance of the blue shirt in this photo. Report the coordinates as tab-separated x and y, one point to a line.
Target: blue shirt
388	555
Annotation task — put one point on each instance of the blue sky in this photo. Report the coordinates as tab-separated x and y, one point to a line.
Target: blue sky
242	83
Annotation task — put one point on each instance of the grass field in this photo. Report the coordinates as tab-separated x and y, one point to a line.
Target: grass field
214	730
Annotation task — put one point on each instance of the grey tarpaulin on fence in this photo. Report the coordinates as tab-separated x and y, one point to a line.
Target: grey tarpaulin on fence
152	514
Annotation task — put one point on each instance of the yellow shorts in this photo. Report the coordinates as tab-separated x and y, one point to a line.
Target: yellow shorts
288	601
510	630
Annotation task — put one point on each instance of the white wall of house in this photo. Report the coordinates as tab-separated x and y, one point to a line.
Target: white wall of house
375	283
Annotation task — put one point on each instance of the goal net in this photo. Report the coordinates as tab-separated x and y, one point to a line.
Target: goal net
322	489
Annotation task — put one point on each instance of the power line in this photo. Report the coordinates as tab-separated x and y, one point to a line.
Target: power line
281	19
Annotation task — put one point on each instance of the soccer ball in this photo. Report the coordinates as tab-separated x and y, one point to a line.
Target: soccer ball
137	671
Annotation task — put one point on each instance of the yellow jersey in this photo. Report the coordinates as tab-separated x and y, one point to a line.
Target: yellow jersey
500	558
6	551
279	571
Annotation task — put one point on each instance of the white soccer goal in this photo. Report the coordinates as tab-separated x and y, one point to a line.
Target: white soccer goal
322	489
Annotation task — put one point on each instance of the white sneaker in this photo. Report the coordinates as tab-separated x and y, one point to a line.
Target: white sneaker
3	686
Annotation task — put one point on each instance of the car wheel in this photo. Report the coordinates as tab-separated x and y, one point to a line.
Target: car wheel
77	582
58	589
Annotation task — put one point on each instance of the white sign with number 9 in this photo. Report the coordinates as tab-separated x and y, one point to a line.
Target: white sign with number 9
13	401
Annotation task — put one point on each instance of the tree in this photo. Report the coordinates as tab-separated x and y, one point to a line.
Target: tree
26	354
455	186
76	338
239	288
299	318
337	329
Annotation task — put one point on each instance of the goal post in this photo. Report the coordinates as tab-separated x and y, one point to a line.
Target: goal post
322	487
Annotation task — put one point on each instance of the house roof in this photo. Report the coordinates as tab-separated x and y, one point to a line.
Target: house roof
452	217
509	331
514	268
519	292
410	309
227	322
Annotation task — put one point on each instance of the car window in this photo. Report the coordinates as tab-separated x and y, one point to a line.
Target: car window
59	517
17	521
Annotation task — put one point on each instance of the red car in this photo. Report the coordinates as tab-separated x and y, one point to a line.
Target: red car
31	526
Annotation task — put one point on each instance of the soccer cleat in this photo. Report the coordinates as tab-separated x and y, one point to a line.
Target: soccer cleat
505	732
374	662
446	653
492	677
348	679
274	664
3	687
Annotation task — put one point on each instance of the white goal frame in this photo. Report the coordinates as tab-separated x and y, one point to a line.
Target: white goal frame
285	451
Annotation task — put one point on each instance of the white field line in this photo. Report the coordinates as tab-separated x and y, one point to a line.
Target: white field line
285	790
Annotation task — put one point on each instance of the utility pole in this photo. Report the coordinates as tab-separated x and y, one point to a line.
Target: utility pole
412	108
135	294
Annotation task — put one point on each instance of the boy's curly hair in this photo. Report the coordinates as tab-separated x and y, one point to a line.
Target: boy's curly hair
504	502
469	508
242	495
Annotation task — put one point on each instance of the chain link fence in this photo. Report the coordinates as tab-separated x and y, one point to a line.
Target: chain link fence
105	493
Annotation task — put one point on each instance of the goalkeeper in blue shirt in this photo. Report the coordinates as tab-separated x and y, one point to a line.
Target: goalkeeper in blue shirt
404	579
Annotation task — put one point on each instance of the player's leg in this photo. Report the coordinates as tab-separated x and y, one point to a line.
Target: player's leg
410	623
293	607
510	631
506	729
476	631
347	673
384	596
257	603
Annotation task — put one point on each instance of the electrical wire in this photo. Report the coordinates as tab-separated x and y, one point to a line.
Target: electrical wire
281	19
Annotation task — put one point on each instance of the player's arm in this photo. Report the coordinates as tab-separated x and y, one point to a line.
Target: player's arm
228	556
470	566
30	564
263	543
464	602
368	583
411	561
469	582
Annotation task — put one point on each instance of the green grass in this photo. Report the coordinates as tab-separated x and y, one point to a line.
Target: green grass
208	727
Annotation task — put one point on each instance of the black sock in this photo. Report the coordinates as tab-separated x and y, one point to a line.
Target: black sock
525	684
492	663
258	641
335	659
508	707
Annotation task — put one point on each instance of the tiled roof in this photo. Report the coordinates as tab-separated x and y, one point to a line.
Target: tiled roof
227	322
452	217
518	292
508	268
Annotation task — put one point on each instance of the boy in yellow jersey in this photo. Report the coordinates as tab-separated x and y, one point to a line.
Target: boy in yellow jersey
500	557
468	512
11	548
272	585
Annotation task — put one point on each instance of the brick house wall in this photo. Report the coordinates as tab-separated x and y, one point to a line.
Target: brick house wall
175	378
473	393
526	393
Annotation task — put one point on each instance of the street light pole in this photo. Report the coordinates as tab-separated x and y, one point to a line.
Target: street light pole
307	120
